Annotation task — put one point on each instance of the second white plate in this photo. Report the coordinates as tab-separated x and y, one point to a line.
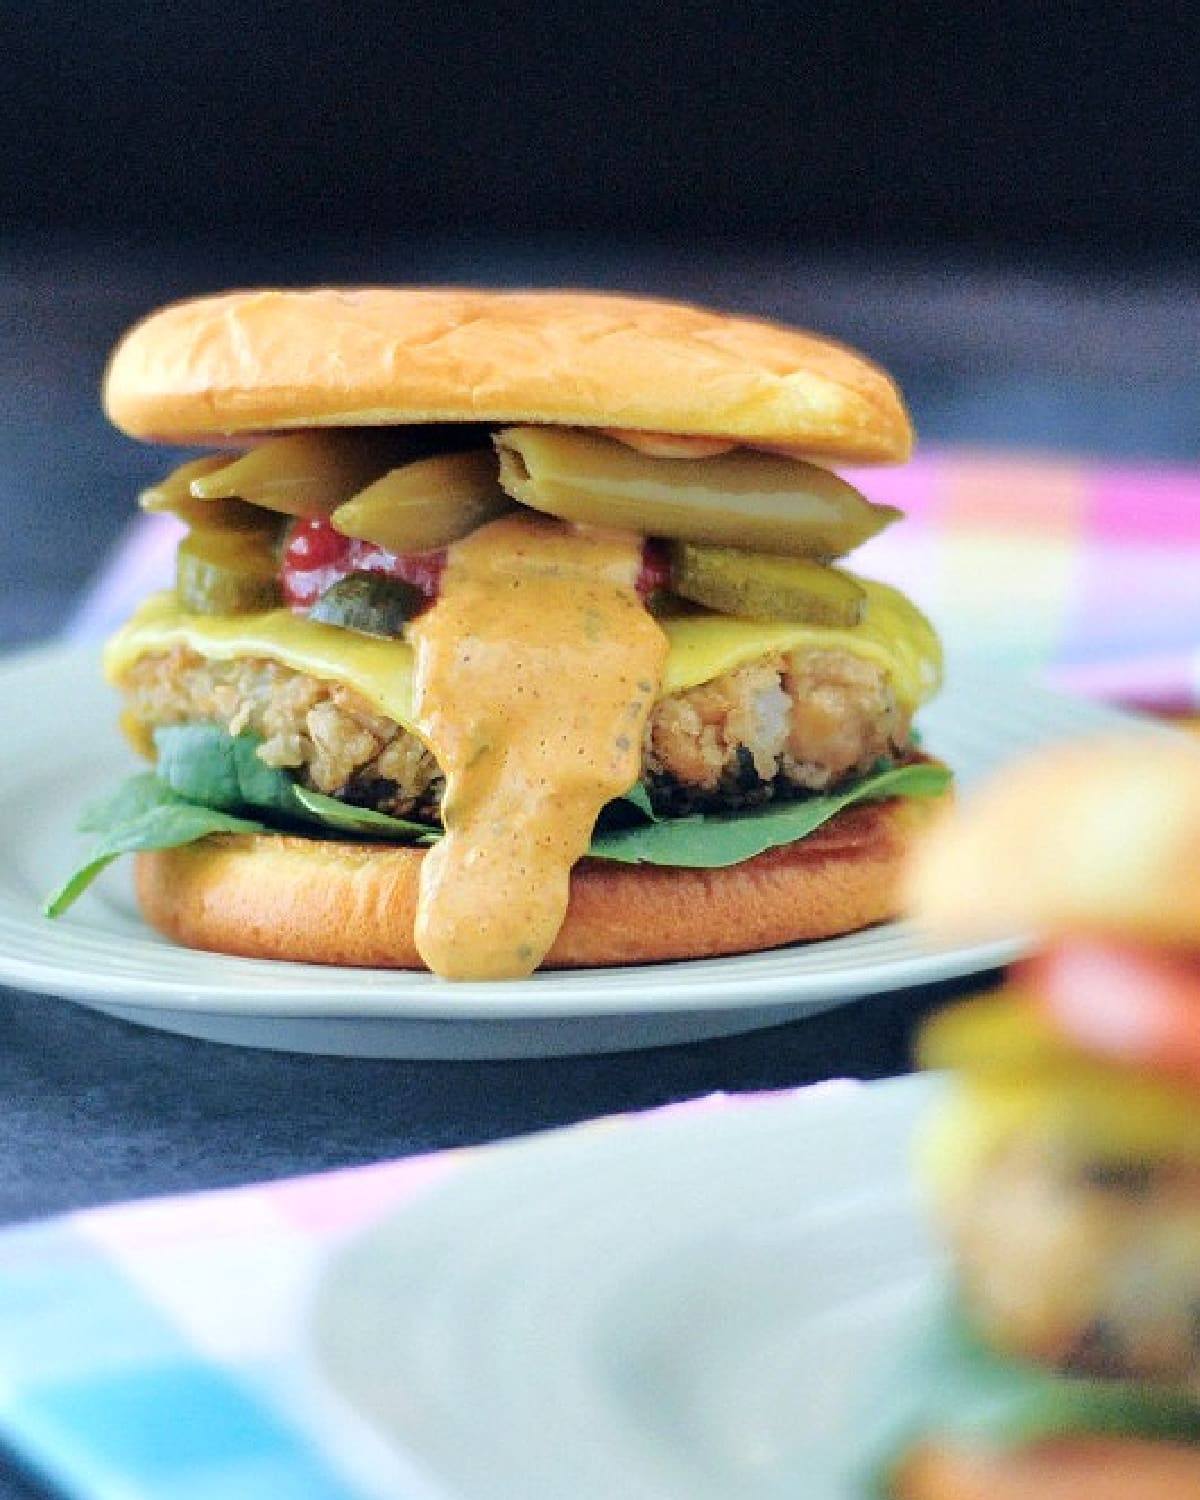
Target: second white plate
694	1305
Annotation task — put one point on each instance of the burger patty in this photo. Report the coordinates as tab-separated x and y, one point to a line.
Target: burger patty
803	721
1090	1266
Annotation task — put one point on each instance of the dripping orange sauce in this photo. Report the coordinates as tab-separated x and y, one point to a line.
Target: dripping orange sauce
535	673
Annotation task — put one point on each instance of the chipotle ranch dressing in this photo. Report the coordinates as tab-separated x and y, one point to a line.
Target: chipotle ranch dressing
535	673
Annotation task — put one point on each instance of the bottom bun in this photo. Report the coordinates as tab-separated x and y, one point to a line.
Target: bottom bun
320	901
1101	1468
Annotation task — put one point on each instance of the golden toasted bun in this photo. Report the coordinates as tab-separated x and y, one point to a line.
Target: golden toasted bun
1089	838
274	896
1100	1468
261	361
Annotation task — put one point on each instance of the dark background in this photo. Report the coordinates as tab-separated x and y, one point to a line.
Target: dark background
1053	127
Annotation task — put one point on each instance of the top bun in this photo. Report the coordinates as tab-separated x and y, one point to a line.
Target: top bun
1093	838
262	361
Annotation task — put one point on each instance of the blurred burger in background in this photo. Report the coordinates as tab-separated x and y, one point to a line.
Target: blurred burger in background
1063	1159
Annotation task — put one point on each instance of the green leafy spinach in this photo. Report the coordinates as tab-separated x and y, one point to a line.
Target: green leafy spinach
208	781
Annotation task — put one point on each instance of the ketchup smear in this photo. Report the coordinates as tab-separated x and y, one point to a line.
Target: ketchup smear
316	556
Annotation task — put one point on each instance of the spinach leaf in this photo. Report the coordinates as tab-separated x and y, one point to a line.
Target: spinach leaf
364	822
637	796
142	814
950	1385
712	840
209	782
206	765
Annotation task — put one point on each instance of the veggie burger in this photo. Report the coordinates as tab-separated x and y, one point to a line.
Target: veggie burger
1064	1158
508	629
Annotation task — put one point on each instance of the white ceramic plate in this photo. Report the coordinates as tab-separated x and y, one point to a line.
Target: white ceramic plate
694	1305
59	748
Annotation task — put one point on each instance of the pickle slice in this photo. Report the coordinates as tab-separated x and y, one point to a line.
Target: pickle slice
370	604
227	572
743	498
765	587
306	473
173	495
427	503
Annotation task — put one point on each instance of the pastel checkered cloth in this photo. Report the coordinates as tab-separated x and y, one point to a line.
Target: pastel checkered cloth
1088	576
156	1351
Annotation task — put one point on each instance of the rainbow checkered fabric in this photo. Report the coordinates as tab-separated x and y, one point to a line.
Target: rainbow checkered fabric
156	1351
1087	575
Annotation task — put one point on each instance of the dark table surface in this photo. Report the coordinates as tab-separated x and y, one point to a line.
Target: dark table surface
96	1110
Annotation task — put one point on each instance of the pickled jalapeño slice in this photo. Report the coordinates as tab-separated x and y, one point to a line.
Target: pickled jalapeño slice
306	473
173	495
427	503
748	499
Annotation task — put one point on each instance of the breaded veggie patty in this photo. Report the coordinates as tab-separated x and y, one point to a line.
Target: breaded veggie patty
801	721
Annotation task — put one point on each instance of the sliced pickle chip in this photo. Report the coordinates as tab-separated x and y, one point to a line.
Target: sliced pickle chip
370	604
743	498
425	504
173	495
766	587
306	473
227	572
663	604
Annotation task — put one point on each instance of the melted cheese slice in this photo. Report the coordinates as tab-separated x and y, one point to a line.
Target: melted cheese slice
1096	1116
893	634
1015	1079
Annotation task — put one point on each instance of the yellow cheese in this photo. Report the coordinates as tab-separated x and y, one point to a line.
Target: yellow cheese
382	671
893	634
1015	1078
1085	1117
